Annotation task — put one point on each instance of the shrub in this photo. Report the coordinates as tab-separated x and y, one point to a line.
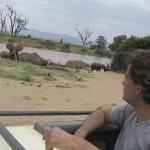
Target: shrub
77	64
65	47
84	50
12	40
128	45
26	77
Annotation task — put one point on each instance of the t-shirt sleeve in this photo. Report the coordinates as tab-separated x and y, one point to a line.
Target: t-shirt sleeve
119	114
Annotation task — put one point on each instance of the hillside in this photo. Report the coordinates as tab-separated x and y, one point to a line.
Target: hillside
51	36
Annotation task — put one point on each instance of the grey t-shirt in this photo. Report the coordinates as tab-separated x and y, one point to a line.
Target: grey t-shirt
133	135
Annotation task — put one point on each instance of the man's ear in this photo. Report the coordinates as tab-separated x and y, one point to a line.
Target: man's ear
139	88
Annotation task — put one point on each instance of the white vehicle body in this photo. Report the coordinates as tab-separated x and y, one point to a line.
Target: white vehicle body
27	136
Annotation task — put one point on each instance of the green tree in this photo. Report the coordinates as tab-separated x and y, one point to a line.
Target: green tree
130	44
116	42
101	45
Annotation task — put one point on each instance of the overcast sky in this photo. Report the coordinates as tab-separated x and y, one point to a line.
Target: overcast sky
108	18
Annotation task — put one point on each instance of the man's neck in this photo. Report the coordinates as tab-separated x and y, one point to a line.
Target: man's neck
143	112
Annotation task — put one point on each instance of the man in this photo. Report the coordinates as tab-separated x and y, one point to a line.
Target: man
133	118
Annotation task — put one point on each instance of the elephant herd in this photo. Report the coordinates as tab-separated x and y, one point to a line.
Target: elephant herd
14	49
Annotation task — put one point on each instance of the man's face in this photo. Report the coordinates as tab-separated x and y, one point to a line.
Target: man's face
129	87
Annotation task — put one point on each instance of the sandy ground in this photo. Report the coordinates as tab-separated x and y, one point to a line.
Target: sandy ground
102	90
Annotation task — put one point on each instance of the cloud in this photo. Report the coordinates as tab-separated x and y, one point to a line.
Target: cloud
107	18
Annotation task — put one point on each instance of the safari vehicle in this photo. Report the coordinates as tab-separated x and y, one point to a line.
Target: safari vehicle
29	137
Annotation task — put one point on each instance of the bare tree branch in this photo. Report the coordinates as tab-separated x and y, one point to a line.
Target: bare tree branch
16	23
20	25
12	16
3	28
84	35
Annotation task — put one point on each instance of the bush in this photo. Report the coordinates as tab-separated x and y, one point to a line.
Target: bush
104	53
118	63
29	36
12	40
127	46
65	47
77	64
34	58
47	43
84	50
26	77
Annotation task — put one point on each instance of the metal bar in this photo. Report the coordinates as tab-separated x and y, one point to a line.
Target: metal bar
10	139
43	113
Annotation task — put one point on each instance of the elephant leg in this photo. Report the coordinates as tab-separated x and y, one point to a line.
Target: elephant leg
13	56
17	55
10	56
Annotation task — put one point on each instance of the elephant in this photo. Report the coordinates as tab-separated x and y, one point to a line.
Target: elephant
14	49
35	59
46	62
97	67
5	54
43	62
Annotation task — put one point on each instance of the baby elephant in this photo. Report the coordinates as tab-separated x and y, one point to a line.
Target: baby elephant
97	67
4	54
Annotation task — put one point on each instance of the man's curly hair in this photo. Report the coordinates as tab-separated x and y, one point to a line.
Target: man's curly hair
140	70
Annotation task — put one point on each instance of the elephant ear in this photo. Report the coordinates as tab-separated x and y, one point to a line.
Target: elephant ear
9	46
19	48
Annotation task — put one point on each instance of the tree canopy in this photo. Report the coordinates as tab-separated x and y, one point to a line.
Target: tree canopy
101	44
128	45
116	42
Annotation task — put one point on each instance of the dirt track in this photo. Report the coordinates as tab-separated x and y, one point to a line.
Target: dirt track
104	89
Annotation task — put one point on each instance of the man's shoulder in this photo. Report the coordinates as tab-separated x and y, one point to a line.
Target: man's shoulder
126	108
120	114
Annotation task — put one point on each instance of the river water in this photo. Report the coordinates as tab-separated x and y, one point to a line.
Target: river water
61	57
